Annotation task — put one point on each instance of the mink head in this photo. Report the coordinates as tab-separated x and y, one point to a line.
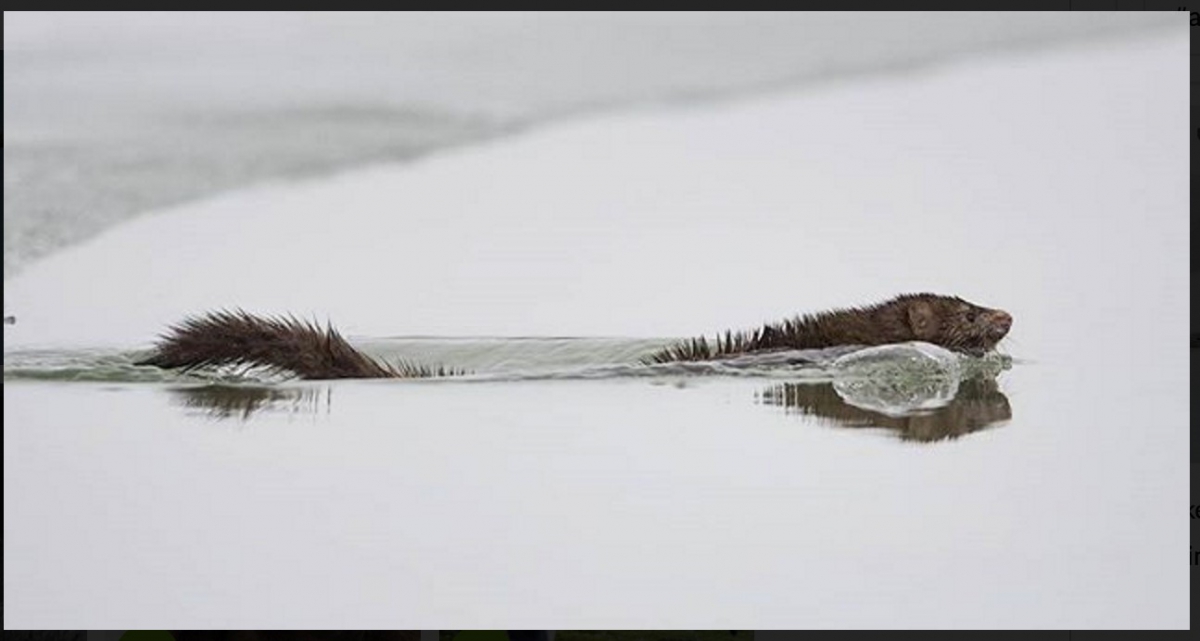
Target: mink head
956	324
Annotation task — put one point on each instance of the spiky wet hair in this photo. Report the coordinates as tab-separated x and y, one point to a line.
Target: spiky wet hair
948	321
278	343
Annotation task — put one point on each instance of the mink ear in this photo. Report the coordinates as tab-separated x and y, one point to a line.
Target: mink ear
921	320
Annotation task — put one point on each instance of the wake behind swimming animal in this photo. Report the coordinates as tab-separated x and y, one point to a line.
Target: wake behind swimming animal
309	351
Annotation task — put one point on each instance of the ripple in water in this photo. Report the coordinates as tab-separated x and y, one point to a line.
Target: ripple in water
535	358
917	391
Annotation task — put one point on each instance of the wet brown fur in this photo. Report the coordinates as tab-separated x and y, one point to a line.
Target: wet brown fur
284	344
947	321
307	350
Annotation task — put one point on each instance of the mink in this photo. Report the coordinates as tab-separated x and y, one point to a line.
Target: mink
306	349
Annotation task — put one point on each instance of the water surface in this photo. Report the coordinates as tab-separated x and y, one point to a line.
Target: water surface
564	486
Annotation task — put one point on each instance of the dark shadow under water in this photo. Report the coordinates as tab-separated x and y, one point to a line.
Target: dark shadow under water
977	404
219	401
920	392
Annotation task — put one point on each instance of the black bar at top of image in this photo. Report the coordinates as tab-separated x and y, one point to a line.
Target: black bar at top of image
970	635
1165	5
979	5
1001	5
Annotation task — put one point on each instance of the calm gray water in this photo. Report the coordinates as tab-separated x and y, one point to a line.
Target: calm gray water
680	499
916	392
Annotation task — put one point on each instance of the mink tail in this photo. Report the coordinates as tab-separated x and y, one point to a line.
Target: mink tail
283	344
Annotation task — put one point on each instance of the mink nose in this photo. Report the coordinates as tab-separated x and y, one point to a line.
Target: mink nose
1002	320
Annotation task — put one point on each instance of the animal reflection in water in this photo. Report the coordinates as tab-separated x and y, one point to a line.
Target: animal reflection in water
976	404
243	401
